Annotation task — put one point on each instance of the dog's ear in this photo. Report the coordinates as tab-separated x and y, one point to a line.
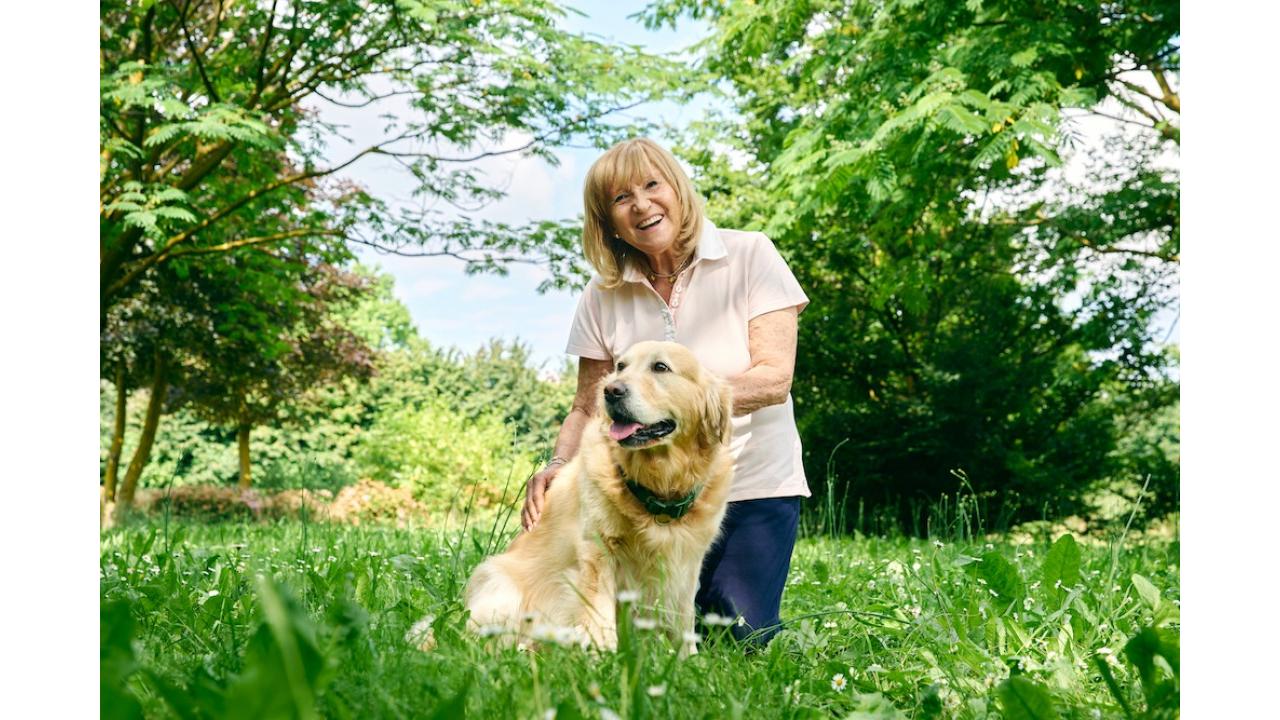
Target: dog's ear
717	411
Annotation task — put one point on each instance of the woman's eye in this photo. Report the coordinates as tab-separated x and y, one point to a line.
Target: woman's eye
661	367
651	184
620	198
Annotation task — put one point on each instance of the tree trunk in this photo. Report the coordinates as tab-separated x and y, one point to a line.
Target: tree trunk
242	437
117	438
142	453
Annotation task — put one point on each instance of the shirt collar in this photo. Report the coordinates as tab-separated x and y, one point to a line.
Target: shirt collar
709	247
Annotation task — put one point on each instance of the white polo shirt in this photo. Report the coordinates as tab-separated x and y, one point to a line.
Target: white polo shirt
734	276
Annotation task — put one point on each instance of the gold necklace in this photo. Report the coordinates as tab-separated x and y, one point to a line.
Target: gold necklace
654	275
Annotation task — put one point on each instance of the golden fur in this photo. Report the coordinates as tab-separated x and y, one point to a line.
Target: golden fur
594	539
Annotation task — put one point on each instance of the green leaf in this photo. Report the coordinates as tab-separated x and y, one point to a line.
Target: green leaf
1001	576
1148	592
175	213
284	669
874	706
1023	699
1159	688
1024	58
1061	565
821	571
117	663
454	707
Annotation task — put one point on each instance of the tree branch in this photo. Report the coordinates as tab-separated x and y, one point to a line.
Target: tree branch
195	54
1170	98
1144	92
497	153
166	254
262	54
166	249
262	240
1109	249
371	100
456	254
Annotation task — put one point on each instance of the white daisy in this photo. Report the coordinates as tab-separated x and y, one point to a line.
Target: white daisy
717	619
838	682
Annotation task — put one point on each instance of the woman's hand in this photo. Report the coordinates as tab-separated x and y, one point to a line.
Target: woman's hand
590	373
535	495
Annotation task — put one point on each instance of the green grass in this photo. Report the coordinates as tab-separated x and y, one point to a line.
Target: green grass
304	620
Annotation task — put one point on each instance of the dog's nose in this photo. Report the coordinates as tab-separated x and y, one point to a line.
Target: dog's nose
615	391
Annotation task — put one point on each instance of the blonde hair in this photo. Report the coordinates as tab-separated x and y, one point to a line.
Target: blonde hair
619	165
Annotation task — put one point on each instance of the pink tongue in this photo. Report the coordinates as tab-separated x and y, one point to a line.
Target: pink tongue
620	431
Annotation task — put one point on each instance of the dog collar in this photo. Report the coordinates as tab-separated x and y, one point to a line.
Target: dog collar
662	510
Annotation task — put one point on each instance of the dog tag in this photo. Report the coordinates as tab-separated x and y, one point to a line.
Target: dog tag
662	519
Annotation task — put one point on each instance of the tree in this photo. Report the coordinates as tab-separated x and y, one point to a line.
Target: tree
266	354
972	303
207	117
139	339
213	154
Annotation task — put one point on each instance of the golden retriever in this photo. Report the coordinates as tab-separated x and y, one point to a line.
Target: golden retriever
663	423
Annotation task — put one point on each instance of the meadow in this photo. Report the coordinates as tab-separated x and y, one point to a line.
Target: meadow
311	619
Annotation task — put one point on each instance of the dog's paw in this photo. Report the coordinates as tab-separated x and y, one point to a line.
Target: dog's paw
422	635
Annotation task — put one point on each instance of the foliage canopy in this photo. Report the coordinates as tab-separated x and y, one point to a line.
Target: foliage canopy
977	305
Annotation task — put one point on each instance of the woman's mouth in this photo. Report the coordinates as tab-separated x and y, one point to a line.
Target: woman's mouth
651	223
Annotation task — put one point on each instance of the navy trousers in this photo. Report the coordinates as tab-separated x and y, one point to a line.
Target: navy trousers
744	572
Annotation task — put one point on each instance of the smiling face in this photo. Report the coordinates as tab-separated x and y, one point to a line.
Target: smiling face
636	181
645	213
659	394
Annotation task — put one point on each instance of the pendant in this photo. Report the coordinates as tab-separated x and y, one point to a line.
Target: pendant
662	519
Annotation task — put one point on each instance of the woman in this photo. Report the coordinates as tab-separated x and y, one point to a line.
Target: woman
667	273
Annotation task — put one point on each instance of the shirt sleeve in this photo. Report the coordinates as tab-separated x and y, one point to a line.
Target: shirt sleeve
771	285
585	336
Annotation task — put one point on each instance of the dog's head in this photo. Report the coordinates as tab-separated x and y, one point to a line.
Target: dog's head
660	394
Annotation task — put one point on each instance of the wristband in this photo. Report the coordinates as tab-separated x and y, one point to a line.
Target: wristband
556	460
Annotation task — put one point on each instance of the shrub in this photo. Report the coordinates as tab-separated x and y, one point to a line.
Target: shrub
371	502
443	457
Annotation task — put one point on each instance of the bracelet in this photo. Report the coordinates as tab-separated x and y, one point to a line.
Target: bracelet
556	460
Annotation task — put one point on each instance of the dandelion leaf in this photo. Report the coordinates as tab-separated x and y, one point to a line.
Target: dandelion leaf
1001	576
874	706
1061	565
1023	699
1148	592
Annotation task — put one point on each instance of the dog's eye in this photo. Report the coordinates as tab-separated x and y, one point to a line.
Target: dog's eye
661	367
622	366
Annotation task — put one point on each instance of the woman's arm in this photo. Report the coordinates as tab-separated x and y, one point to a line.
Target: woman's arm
771	339
590	372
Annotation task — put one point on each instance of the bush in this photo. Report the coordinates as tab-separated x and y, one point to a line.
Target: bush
212	503
372	502
443	457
